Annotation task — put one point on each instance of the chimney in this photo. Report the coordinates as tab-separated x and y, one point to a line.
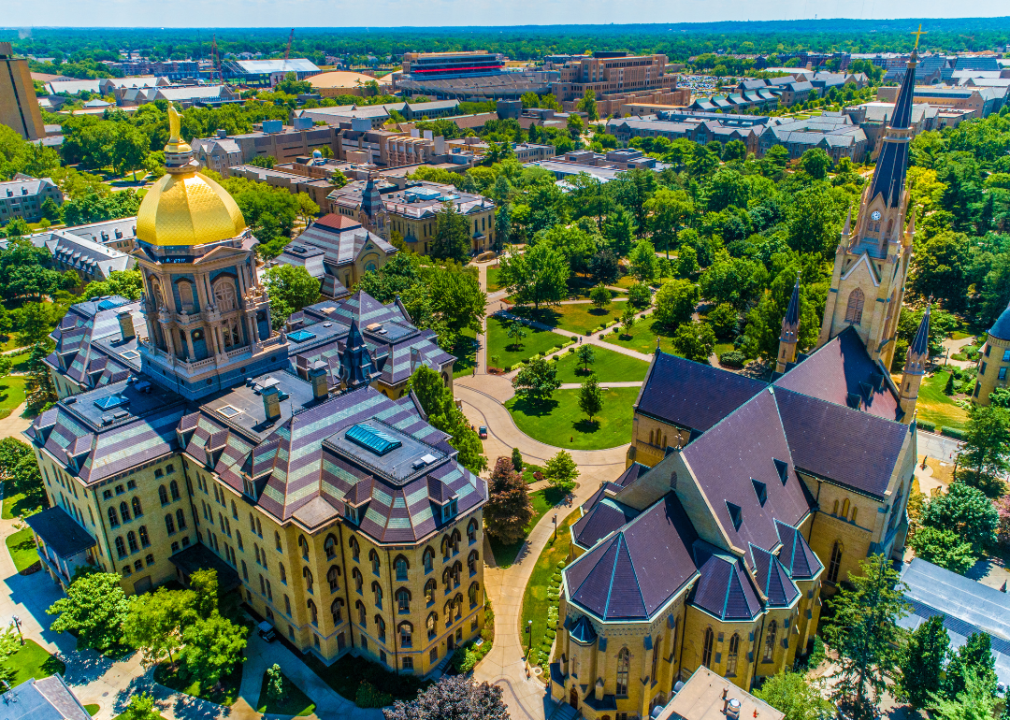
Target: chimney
271	403
317	376
733	709
222	133
126	325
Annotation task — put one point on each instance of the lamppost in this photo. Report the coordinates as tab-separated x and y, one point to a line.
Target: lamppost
17	624
555	520
529	633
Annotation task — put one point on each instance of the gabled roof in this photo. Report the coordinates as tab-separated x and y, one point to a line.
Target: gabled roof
772	579
724	588
796	556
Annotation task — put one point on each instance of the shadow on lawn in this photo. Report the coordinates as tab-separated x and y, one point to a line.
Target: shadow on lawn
586	427
534	408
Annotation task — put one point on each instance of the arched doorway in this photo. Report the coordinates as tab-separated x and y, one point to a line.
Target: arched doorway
573	698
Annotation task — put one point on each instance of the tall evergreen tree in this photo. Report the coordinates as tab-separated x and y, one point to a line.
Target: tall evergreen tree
922	662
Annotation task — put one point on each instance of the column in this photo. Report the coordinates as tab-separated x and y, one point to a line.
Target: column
189	344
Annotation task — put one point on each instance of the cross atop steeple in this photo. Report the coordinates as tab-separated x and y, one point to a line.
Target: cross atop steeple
917	34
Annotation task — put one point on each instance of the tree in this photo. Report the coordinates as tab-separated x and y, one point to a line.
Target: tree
517	459
667	210
864	633
154	622
733	280
264	161
537	380
588	105
628	319
975	702
644	264
726	189
129	150
795	696
687	262
291	288
619	231
922	662
723	319
561	471
214	645
502	226
141	707
93	609
591	397
39	388
944	548
694	341
452	234
965	511
973	659
815	162
604	268
125	283
457	697
675	301
437	402
639	295
275	682
985	455
575	127
33	322
538	276
586	357
205	586
516	332
939	268
508	509
600	296
337	178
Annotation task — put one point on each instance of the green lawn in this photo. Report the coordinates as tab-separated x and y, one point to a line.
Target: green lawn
536	342
626	281
92	709
32	661
12	394
22	549
19	362
610	366
535	600
582	318
543	501
550	422
348	674
295	702
492	279
169	676
937	407
18	504
643	337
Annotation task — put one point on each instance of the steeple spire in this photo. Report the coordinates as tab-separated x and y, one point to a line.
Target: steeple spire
790	330
915	368
920	345
889	177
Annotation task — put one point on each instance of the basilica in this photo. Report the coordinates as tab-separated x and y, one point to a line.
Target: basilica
745	502
190	433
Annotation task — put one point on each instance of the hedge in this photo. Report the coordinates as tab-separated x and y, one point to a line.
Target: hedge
925	425
953	433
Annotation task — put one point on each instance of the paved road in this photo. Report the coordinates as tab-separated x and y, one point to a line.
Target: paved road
936	446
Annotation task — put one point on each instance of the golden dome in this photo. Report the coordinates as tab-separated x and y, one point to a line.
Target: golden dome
185	207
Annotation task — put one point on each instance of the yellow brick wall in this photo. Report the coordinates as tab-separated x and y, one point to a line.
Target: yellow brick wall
989	368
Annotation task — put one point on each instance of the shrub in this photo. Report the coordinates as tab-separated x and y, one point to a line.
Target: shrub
733	358
953	433
561	565
926	425
368	697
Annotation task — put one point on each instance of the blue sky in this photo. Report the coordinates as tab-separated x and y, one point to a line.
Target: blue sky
386	13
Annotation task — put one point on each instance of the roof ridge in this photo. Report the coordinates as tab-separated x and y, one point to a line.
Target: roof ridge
613	572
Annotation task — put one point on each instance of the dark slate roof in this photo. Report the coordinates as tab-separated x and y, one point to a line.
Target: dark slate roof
793	311
633	573
772	579
740	449
358	364
920	344
892	162
796	556
60	532
582	631
1001	328
46	699
842	372
724	588
604	517
693	395
846	446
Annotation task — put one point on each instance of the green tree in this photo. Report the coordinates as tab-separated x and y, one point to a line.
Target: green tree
604	268
733	280
275	682
516	332
975	660
628	320
33	321
263	161
639	295
502	227
984	458
644	264
50	210
94	609
154	622
939	268
205	586
129	150
816	163
452	234
291	288
213	647
975	702
727	188
600	296
667	210
864	633
922	662
591	397
586	356
588	105
141	707
794	696
675	301
517	459
687	262
538	276
575	127
694	341
619	231
723	319
437	402
508	509
965	511
944	548
561	471
125	283
537	380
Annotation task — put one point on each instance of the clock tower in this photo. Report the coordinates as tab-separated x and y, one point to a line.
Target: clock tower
871	261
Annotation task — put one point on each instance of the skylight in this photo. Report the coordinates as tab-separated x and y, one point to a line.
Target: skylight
375	441
110	401
301	336
228	411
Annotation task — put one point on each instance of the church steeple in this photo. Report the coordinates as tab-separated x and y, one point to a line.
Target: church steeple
915	368
790	330
892	162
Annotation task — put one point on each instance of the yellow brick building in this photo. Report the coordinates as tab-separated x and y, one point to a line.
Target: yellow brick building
992	367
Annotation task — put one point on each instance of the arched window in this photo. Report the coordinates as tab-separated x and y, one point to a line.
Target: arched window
457	572
446	547
180	519
169	523
380	628
374	558
113	520
361	613
854	311
307	574
623	669
430	625
403	600
455	538
377	594
406	634
333	578
731	657
277	541
835	563
854	511
163	495
284	573
655	661
845	508
224	294
173	487
447	579
124	511
304	545
447	611
458	604
428	558
358	580
120	547
769	653
145	541
330	547
335	611
137	511
471	531
400	565
472	593
471	562
234	510
355	549
706	648
313	612
429	591
131	540
834	510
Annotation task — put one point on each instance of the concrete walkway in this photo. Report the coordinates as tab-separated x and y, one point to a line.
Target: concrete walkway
14	424
594	339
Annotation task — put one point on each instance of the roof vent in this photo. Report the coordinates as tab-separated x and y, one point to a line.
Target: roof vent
733	708
782	468
735	514
761	490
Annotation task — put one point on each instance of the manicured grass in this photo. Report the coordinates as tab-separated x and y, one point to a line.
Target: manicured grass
17	504
12	394
492	279
295	702
542	501
21	546
529	472
721	348
936	407
626	281
33	661
348	673
610	366
92	709
582	318
169	676
643	337
536	342
560	422
19	362
535	600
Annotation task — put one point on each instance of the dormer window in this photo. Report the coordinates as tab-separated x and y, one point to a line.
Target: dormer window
449	509
761	490
783	470
735	514
351	513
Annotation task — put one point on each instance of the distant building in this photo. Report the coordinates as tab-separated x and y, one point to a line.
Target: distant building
24	196
92	251
834	132
982	101
995	363
873	118
170	69
345	82
46	699
378	115
613	77
437	65
700	127
19	108
184	95
268	71
318	190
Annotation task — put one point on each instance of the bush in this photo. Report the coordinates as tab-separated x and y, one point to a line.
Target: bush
733	358
925	425
368	697
953	433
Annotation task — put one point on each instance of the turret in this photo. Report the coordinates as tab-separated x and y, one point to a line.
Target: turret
790	330
915	369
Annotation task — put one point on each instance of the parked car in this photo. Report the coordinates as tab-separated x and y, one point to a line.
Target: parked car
266	631
482	432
